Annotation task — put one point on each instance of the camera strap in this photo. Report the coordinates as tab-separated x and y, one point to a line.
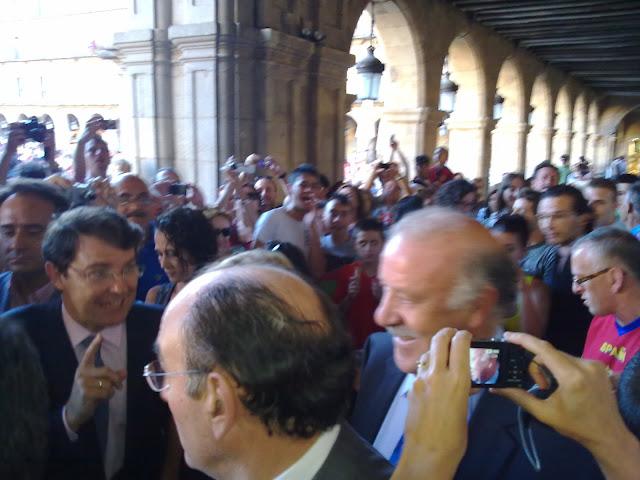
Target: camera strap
526	434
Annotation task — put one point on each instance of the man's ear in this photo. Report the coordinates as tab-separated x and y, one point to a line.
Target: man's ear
482	309
221	403
618	280
55	277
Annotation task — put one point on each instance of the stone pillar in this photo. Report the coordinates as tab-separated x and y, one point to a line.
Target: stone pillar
416	130
594	152
539	145
470	146
328	106
147	122
578	146
561	144
508	149
283	105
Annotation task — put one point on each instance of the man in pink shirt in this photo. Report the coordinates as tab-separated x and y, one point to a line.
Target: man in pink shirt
606	274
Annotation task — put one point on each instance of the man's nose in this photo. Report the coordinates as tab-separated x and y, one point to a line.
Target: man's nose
384	314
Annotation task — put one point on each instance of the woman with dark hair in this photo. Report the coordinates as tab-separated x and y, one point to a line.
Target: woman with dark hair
355	196
505	197
185	242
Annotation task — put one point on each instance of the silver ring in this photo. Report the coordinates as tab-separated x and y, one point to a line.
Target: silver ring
99	383
420	364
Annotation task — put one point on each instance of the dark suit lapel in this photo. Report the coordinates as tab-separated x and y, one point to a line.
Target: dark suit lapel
493	441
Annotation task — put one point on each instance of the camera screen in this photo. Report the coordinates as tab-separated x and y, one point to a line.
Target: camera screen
485	365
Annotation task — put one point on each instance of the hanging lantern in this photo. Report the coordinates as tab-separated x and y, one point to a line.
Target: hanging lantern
498	103
448	90
370	70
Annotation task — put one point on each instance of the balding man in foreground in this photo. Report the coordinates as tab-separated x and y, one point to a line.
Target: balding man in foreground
257	372
440	269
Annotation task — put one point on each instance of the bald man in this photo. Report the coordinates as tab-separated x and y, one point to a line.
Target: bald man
440	268
257	372
134	201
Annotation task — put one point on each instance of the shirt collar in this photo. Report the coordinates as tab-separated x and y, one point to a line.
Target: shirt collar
310	463
77	333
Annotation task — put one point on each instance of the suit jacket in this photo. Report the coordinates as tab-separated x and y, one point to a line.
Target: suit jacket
147	415
351	457
494	450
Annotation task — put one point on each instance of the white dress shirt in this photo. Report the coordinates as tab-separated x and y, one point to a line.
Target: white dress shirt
310	463
114	355
393	425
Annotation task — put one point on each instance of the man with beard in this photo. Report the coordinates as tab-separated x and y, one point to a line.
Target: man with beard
440	268
26	209
134	201
290	223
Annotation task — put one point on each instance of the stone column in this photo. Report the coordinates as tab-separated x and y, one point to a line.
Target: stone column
539	145
561	144
594	151
578	146
147	122
470	146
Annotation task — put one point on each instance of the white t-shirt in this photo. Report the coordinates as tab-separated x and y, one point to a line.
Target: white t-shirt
277	225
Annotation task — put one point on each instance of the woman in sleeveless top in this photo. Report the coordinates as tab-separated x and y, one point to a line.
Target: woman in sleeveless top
184	241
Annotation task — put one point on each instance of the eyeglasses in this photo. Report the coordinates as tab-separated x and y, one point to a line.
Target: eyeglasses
224	231
103	276
586	278
155	375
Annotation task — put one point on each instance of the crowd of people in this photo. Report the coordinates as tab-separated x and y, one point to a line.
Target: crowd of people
295	329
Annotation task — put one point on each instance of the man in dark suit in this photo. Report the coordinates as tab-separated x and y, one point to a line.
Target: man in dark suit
442	269
93	344
257	371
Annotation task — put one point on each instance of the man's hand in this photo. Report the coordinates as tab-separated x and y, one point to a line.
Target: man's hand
436	426
16	138
275	169
91	385
584	405
91	130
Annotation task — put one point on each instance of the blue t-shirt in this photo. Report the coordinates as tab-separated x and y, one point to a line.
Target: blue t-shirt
152	272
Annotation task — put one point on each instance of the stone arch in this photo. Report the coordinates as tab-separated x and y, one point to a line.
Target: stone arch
540	121
563	121
47	120
505	148
627	140
594	138
469	117
22	117
399	107
579	140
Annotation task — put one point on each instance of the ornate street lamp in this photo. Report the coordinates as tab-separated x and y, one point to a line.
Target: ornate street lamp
448	90
370	69
498	103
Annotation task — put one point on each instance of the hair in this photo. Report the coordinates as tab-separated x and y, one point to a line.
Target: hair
606	184
515	224
324	180
360	208
407	205
579	204
190	233
633	195
33	169
304	169
530	195
295	372
61	239
613	244
451	193
481	265
541	165
255	257
293	254
628	394
213	212
369	225
37	188
626	178
165	169
339	198
23	406
422	160
506	183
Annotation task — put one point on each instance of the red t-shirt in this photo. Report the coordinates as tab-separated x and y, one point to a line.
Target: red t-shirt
439	174
359	315
612	344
